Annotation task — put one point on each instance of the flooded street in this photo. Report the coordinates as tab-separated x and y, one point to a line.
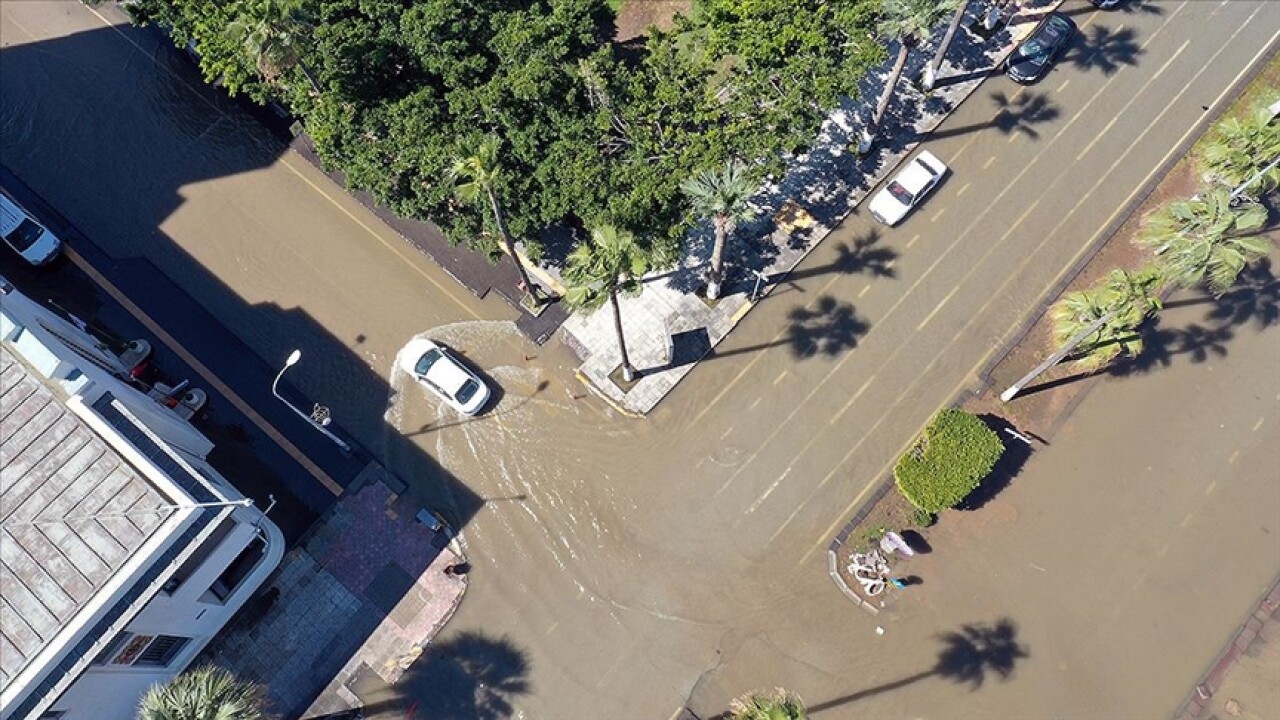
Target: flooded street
624	568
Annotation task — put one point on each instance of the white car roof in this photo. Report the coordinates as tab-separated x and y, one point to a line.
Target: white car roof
922	169
446	374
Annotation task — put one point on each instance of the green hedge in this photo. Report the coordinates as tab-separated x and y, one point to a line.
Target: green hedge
946	463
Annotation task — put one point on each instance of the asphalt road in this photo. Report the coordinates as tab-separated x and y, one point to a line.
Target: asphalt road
624	567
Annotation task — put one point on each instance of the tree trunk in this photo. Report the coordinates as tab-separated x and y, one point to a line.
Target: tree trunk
869	133
315	86
931	71
510	244
1053	359
628	372
716	275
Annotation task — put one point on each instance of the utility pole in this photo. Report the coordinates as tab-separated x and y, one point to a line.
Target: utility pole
1055	358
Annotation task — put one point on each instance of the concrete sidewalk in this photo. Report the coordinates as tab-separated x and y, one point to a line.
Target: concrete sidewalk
363	593
669	328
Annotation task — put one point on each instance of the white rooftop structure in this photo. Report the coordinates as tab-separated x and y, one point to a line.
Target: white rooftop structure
122	551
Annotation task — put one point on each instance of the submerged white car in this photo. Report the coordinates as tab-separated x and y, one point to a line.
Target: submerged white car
25	236
444	375
907	188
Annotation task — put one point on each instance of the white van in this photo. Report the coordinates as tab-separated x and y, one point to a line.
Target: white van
27	237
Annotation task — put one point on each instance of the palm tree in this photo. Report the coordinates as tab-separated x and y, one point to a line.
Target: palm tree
722	196
272	32
479	168
1239	148
1107	316
908	21
206	693
1206	240
777	704
611	263
931	70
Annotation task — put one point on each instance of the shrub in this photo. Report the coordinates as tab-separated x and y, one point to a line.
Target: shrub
922	518
948	461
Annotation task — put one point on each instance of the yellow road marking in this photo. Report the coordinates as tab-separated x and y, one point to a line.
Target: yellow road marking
554	625
779	378
1013	136
395	249
1186	520
938	214
756	402
987	164
1063	86
945	300
725	434
864	291
1258	424
963	189
1234	456
1211	487
204	372
913	240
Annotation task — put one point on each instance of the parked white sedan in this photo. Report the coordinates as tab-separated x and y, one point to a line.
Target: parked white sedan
907	188
443	374
25	236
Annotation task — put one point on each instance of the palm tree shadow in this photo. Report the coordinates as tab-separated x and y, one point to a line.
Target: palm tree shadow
1019	114
967	657
469	676
1104	49
864	255
829	328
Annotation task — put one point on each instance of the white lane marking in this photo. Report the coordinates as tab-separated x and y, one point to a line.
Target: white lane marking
864	291
852	400
942	304
769	491
987	164
756	402
938	214
1063	86
1120	114
1258	424
779	378
962	190
725	434
916	237
1209	490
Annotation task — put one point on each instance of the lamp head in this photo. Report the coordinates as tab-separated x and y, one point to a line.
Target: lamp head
293	358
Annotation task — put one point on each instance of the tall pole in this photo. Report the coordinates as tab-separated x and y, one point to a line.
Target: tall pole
1053	359
292	360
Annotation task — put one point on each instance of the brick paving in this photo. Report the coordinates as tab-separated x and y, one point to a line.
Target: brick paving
1261	623
364	591
793	216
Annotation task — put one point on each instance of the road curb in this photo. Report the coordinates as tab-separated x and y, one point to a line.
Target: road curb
1198	698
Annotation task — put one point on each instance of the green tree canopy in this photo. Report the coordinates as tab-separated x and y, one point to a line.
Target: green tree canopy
948	461
1122	301
1206	239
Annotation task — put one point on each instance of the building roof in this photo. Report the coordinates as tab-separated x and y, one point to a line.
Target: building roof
54	466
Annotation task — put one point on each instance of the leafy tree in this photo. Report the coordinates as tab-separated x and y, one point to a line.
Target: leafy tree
478	168
721	195
777	704
909	22
205	693
948	461
1206	240
611	263
1239	148
272	33
931	70
1116	306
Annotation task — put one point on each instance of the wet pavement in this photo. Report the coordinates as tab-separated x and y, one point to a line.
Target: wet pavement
627	568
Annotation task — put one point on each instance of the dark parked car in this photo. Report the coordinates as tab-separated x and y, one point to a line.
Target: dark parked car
1033	57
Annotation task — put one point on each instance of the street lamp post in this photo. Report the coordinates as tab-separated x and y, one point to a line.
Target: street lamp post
319	417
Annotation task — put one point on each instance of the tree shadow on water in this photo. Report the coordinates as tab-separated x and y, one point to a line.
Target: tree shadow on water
968	656
827	327
1015	455
468	676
